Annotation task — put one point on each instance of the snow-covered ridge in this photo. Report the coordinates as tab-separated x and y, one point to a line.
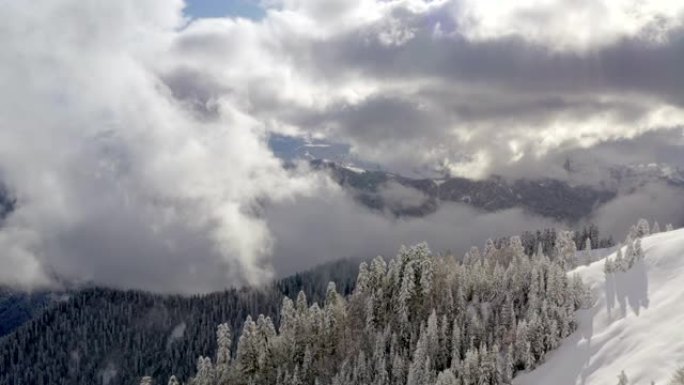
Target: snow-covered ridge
635	325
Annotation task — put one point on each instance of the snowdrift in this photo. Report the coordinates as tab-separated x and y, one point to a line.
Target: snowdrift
635	325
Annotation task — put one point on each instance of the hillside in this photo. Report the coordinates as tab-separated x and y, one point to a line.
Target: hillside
635	324
107	336
17	308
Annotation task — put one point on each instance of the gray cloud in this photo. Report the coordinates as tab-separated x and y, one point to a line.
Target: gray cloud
331	226
476	87
136	142
397	196
653	202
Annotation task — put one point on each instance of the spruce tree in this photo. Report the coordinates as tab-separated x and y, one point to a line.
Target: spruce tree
656	228
446	377
587	251
642	228
622	378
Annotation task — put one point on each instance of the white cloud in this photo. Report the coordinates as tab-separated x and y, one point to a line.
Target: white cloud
114	177
570	25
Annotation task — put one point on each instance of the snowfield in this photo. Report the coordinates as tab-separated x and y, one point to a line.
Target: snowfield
635	325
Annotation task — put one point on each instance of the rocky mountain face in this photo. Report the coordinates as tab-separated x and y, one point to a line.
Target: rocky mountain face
626	178
6	203
403	196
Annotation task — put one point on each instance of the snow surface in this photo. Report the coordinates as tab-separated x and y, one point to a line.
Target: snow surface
356	170
635	325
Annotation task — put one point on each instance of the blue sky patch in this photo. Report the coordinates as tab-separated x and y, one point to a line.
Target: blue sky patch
221	8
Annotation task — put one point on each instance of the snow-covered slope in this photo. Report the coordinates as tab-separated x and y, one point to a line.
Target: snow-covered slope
636	324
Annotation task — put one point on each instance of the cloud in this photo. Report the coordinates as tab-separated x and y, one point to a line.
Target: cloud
397	196
117	182
135	139
331	226
563	25
467	86
655	202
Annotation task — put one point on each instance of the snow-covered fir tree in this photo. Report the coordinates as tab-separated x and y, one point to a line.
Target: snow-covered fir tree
655	229
587	251
623	261
642	228
418	319
566	249
622	378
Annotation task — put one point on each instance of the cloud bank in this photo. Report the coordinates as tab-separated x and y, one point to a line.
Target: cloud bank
476	86
134	139
114	178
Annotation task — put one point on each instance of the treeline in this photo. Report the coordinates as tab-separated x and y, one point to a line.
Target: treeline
547	239
418	319
314	282
633	252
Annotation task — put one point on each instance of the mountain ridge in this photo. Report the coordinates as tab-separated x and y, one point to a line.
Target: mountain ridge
547	197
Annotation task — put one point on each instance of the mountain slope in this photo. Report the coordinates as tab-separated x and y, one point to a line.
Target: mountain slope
546	197
108	336
17	308
635	324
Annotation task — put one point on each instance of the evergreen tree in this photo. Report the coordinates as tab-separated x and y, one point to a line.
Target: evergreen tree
622	378
521	346
608	266
446	377
417	374
565	249
489	250
678	378
619	264
506	367
248	352
630	255
470	371
642	228
205	372
656	228
587	251
223	342
456	345
516	247
398	369
638	250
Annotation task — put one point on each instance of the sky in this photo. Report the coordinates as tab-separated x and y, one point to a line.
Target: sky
134	135
250	9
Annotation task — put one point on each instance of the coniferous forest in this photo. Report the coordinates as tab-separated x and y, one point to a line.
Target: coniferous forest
418	319
99	335
414	319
